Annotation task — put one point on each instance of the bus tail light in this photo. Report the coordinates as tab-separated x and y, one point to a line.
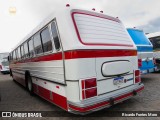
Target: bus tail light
137	76
139	62
89	88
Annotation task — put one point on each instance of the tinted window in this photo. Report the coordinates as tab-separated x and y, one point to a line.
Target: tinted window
25	50
156	43
31	49
37	44
22	51
55	36
14	55
46	40
18	53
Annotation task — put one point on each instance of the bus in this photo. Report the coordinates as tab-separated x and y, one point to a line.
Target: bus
4	64
146	61
79	60
155	40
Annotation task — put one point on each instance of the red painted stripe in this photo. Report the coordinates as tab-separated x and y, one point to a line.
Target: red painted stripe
99	53
75	54
60	101
101	44
88	108
57	99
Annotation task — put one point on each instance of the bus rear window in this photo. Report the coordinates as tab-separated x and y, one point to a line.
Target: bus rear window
100	30
139	37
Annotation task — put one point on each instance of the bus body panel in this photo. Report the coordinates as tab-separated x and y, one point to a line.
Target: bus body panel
145	51
88	73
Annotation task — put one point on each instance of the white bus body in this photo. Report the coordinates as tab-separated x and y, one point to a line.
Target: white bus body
4	65
95	66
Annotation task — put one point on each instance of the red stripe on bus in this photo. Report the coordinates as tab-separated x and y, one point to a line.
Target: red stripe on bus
50	96
99	53
96	106
101	44
75	54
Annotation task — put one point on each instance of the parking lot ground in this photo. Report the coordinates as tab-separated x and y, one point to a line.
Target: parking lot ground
14	97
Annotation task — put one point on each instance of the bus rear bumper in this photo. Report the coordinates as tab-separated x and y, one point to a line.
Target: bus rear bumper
149	70
96	103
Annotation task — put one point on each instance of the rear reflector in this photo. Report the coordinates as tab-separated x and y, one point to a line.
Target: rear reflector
137	76
138	79
139	62
90	83
91	92
89	88
137	73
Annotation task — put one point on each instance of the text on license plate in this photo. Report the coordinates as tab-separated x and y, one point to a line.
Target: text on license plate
118	80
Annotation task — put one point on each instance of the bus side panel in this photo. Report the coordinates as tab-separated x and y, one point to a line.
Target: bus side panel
52	92
19	77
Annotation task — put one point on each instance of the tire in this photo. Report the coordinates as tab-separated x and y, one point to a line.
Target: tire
29	85
10	73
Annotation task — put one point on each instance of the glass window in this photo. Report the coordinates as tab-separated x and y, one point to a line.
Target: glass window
31	49
18	53
37	44
22	51
55	36
14	55
156	42
46	40
25	50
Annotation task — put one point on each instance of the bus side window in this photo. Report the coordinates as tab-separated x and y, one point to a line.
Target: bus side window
37	44
55	36
22	51
14	55
25	50
31	48
46	40
18	53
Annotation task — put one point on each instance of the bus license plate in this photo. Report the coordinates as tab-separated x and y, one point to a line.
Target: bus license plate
118	80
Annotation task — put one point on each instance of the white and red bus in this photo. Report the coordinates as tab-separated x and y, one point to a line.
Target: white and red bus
82	61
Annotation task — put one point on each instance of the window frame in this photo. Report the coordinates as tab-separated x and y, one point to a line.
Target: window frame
30	39
42	53
55	22
45	27
22	54
26	56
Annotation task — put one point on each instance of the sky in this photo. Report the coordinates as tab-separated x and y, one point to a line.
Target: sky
143	14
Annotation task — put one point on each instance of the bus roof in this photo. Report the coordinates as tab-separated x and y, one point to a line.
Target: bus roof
151	35
59	14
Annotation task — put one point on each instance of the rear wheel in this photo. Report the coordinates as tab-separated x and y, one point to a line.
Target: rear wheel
29	84
10	72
